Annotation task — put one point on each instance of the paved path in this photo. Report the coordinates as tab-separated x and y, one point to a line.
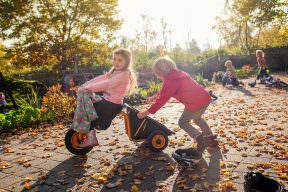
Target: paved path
252	127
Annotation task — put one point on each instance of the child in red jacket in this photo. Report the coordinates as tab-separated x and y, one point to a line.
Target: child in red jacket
262	67
182	87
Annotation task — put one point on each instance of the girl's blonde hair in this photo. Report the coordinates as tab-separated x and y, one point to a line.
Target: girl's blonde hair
260	51
228	63
163	66
127	55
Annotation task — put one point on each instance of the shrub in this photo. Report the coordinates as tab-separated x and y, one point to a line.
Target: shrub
218	76
56	104
22	117
245	71
32	100
142	93
154	87
200	79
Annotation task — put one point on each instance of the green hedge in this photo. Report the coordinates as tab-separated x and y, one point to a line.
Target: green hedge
22	117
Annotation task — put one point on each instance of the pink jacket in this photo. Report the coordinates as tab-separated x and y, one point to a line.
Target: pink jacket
182	87
113	87
261	62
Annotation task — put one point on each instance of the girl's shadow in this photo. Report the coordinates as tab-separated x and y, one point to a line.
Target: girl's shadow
202	176
144	168
63	176
242	90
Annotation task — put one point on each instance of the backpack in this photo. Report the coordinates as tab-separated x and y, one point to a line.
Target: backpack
257	182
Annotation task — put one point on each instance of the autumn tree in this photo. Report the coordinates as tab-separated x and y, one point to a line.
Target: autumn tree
244	21
60	31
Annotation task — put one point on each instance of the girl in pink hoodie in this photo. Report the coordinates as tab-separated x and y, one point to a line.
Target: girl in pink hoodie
187	91
114	86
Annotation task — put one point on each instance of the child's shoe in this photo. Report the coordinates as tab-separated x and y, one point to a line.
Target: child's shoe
91	140
187	157
211	140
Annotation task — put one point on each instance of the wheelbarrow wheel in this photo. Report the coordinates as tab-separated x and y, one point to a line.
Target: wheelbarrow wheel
72	141
157	141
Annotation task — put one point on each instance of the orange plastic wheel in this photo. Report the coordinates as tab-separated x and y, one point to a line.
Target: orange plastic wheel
77	138
72	141
158	141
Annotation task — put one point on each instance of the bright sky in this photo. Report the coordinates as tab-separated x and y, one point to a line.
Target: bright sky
198	16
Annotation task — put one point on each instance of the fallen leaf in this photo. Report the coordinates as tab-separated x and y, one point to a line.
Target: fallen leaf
134	188
27	185
27	179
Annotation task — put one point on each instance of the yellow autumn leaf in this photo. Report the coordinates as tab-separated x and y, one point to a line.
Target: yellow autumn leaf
27	179
134	188
269	133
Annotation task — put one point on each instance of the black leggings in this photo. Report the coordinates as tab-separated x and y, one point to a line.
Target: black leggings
2	108
106	112
262	73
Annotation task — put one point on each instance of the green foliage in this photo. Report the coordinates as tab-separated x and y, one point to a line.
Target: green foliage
201	80
31	99
245	71
154	87
143	60
22	117
218	76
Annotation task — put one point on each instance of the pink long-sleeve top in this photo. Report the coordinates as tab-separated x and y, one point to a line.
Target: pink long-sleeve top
113	86
182	87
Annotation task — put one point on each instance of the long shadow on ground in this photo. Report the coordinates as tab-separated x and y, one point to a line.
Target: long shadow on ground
200	176
241	89
144	168
63	176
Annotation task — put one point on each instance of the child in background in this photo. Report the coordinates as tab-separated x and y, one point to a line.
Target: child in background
3	102
114	86
262	72
181	86
230	74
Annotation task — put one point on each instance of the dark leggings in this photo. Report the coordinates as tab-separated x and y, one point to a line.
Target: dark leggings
106	112
262	73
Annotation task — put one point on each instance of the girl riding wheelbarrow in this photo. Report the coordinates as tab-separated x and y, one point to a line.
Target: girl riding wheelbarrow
94	112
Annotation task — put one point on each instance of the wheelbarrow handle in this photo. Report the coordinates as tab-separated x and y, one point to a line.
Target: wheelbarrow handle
214	97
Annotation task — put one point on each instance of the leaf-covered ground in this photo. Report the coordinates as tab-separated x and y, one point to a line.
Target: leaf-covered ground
253	133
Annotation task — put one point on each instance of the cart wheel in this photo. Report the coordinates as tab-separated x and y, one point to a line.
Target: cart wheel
73	139
158	141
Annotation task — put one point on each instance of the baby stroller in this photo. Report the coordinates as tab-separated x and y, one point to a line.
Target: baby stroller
271	82
274	82
147	130
257	182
